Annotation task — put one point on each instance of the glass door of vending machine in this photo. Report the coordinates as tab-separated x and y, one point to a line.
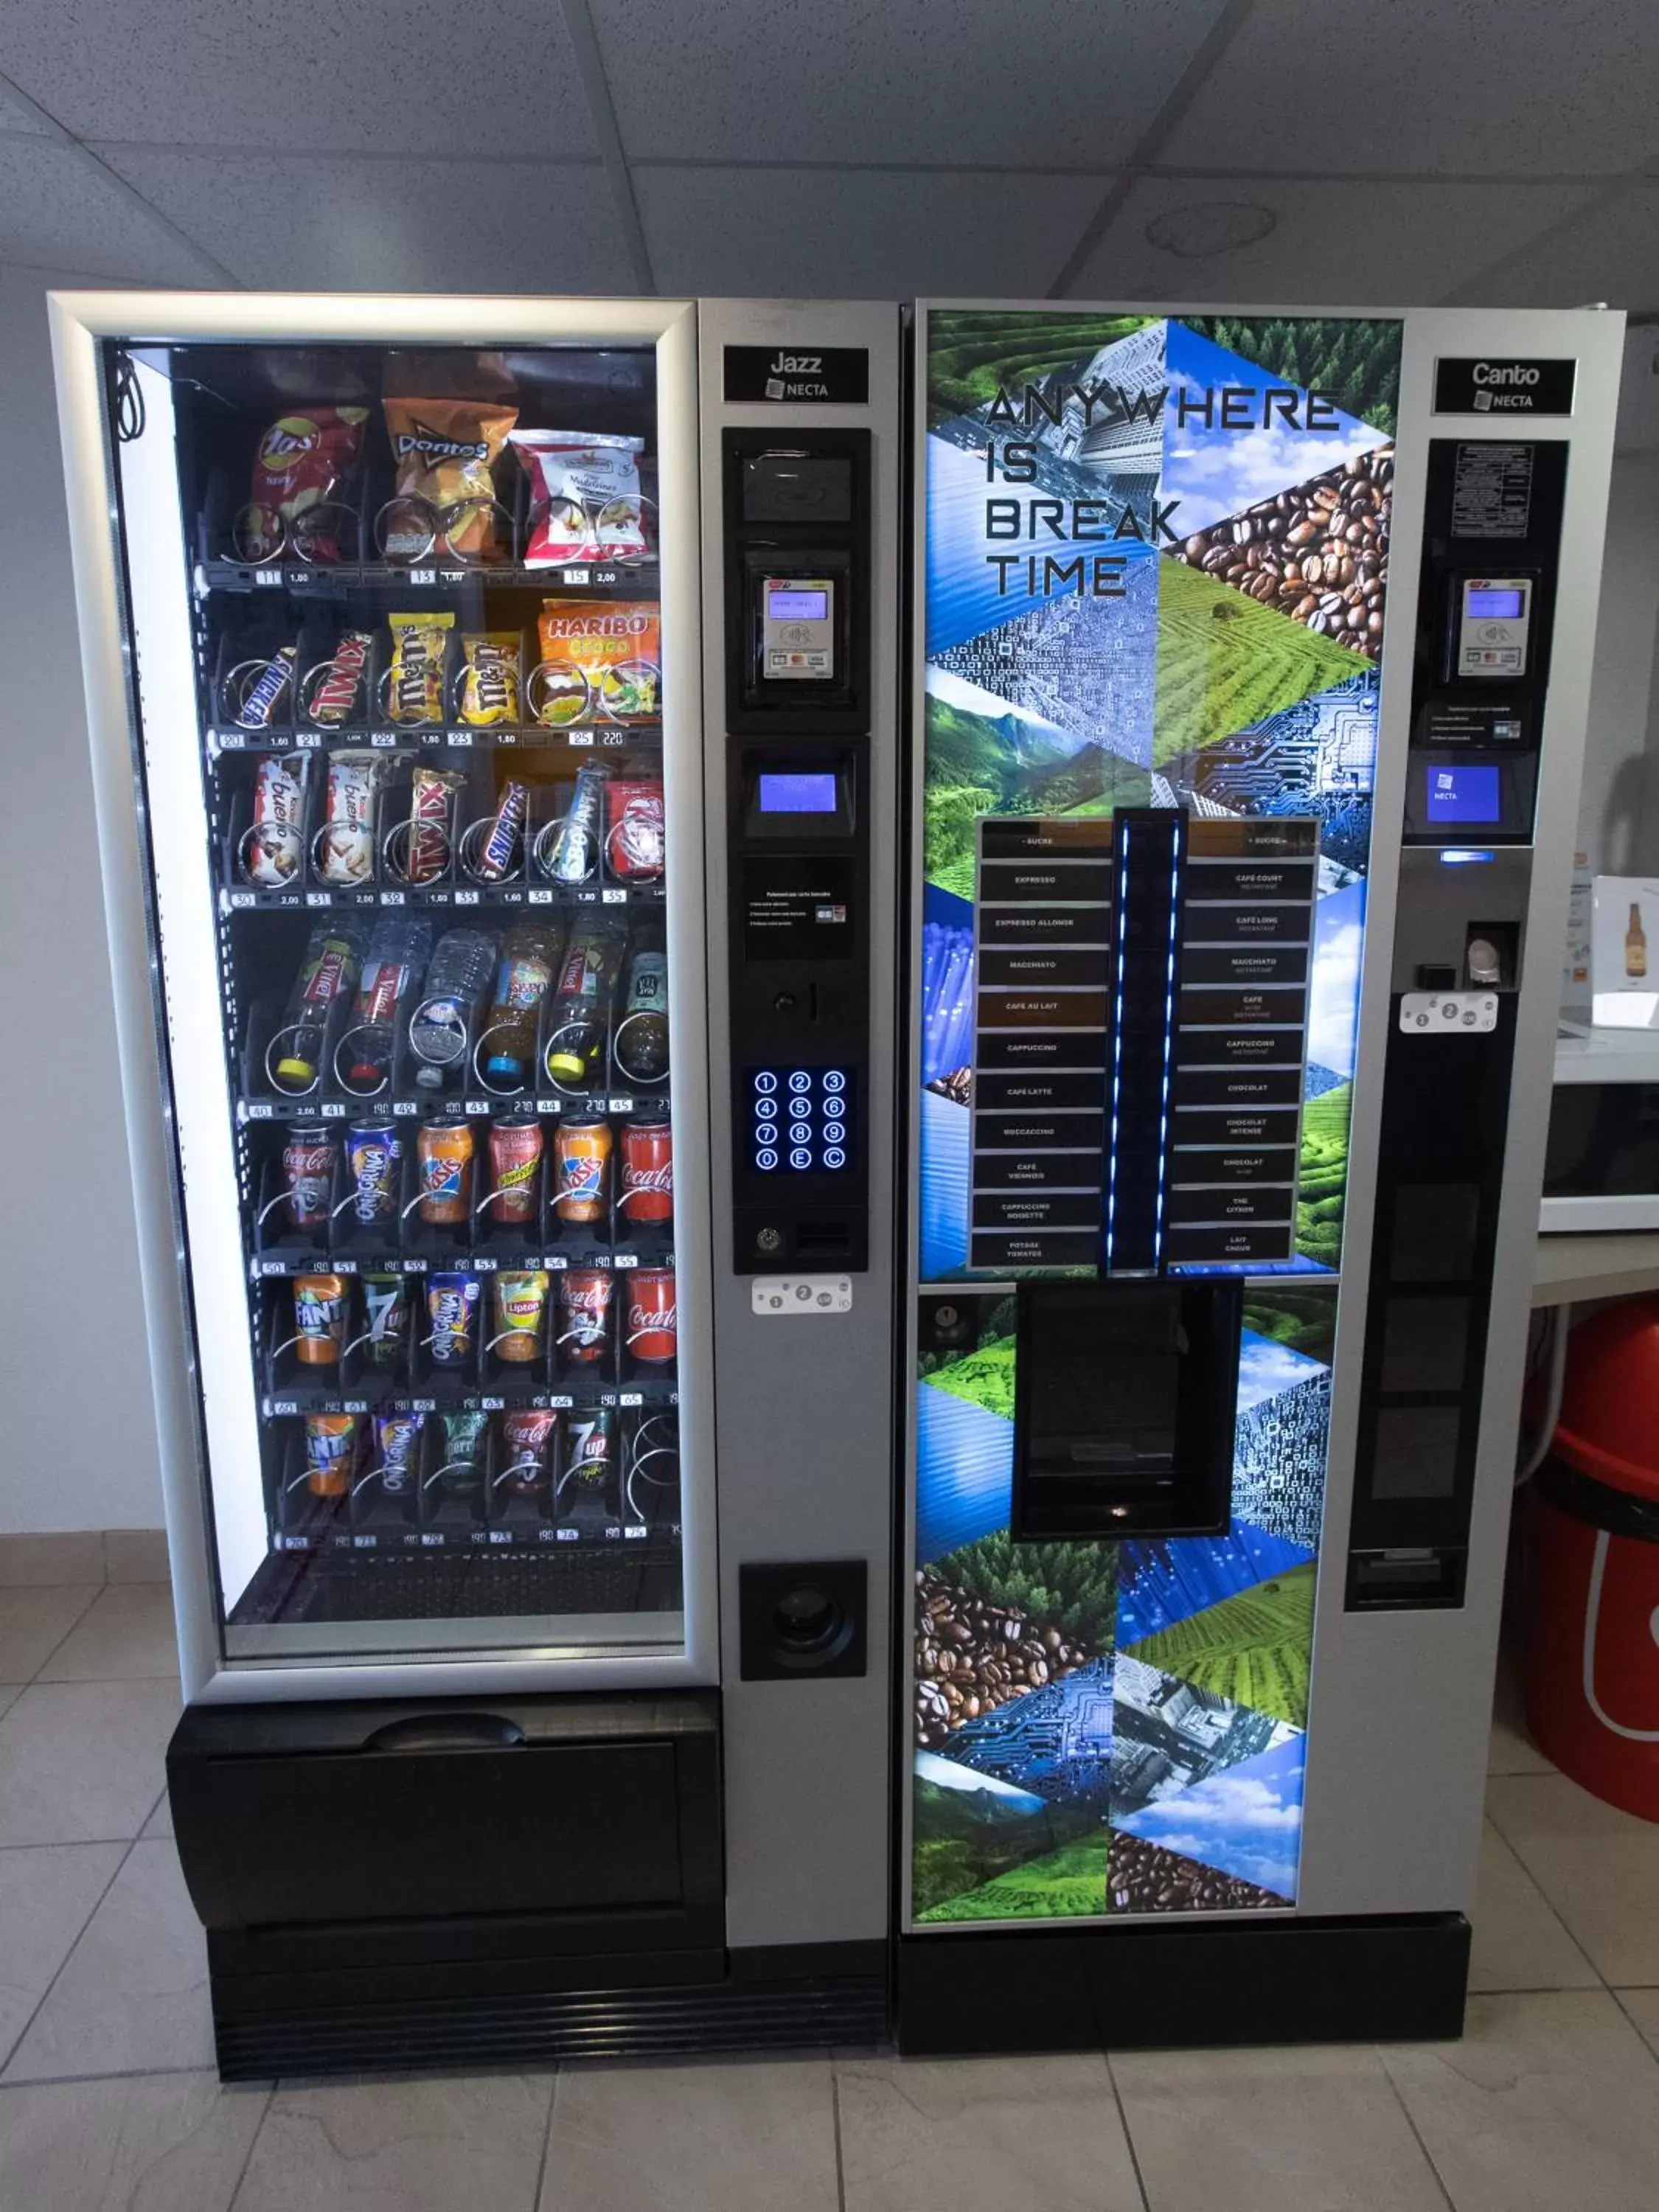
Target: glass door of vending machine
406	596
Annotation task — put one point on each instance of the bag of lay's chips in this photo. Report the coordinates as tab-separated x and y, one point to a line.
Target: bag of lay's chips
584	496
443	451
304	460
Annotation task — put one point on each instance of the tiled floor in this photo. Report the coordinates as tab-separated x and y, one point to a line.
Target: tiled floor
108	2102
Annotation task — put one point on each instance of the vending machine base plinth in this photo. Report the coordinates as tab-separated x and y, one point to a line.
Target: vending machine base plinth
522	2013
1296	1981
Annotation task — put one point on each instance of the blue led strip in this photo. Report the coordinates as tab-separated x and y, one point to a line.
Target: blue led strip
1177	843
1120	897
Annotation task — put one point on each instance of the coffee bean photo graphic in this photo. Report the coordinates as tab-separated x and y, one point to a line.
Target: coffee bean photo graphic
1318	553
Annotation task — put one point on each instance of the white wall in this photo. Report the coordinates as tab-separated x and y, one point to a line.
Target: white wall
77	1441
1619	803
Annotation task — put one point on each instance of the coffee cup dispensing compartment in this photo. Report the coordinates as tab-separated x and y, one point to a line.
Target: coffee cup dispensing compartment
797	520
1124	1404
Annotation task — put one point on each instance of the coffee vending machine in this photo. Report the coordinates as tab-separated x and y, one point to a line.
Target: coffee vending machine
1250	658
495	717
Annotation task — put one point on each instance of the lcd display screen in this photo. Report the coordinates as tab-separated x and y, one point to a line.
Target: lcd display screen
798	606
1463	792
799	790
1494	606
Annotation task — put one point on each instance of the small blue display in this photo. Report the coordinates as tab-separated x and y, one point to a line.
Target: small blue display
799	1120
798	790
1493	606
1465	791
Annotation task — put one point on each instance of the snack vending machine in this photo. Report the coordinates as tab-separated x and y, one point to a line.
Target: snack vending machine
1251	659
419	792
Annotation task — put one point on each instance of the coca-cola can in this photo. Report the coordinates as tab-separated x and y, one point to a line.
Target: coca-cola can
648	1171
652	1317
308	1162
585	1314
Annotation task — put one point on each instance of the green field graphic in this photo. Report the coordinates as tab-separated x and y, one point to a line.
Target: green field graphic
1064	1884
1319	1200
1252	1650
1224	662
972	352
984	1377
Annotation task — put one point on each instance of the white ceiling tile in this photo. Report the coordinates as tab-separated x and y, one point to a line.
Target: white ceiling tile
387	75
1611	253
57	211
15	116
864	234
1343	245
1047	82
1511	87
378	226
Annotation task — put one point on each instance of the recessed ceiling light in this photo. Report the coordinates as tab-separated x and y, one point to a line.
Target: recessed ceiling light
1208	226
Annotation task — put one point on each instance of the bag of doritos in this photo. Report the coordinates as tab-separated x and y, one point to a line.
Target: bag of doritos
443	451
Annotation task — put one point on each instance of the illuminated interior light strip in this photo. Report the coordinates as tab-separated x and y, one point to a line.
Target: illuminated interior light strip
1117	1054
1168	1038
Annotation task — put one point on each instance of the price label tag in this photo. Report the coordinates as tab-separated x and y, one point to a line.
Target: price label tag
607	576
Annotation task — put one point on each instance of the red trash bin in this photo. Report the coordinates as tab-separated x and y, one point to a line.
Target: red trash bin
1592	1668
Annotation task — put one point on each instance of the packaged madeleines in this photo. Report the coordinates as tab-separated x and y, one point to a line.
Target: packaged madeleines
584	496
599	659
